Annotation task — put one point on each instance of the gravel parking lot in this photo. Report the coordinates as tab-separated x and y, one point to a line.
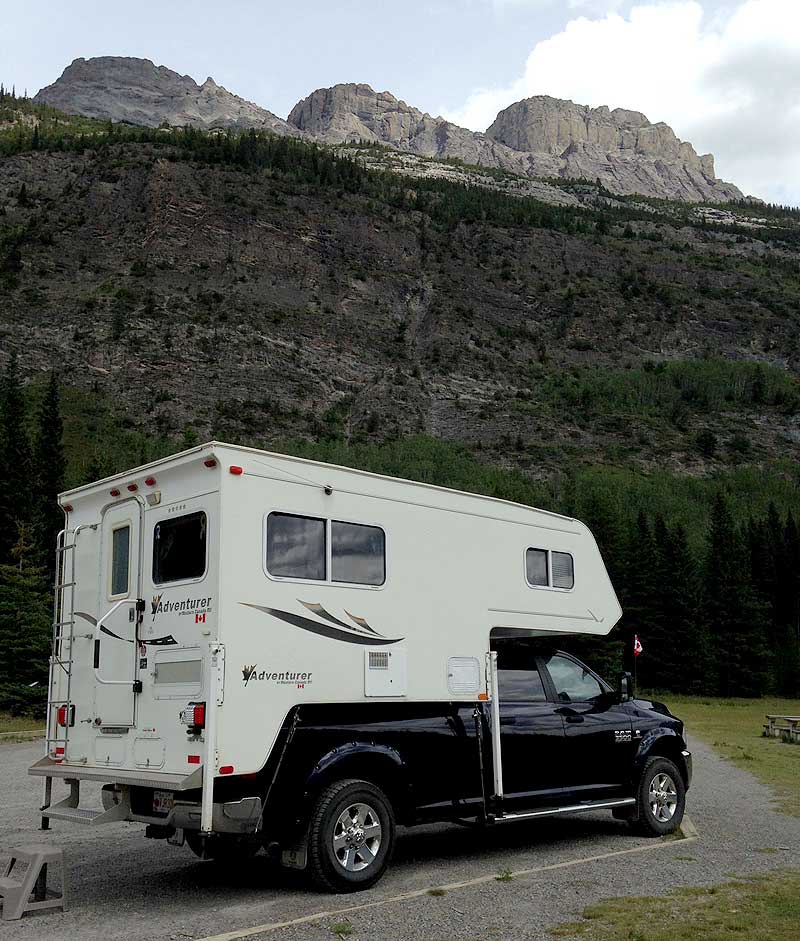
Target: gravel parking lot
124	886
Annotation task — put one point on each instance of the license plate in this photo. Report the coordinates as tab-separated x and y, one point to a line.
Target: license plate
162	802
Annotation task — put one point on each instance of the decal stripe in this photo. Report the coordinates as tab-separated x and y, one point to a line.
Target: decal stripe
165	641
317	609
349	636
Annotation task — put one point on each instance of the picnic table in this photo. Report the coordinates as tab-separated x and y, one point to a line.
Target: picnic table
786	728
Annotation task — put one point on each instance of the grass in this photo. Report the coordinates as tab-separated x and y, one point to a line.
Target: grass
733	728
765	907
10	723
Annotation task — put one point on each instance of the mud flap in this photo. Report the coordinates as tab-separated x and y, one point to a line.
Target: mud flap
296	855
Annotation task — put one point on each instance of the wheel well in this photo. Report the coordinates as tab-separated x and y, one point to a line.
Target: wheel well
669	746
378	769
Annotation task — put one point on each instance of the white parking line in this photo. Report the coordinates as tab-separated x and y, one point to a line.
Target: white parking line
688	828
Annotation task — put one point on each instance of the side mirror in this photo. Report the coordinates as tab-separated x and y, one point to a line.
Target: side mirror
625	687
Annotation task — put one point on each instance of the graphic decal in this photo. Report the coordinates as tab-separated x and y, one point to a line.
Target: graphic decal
282	678
165	641
361	634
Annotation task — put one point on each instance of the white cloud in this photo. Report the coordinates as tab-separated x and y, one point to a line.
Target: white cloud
729	84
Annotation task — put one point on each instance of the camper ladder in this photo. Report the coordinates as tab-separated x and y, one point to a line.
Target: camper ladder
59	687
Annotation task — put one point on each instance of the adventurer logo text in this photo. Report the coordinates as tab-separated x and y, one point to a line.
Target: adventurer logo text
199	607
284	678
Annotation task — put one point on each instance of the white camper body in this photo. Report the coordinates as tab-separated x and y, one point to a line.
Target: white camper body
183	582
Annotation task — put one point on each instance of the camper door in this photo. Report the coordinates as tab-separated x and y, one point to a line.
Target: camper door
116	645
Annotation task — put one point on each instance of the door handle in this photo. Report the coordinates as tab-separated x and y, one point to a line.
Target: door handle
573	718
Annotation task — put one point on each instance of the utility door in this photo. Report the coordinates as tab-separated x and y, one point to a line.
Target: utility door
115	653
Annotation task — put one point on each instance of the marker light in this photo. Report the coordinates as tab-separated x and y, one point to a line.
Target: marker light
235	469
67	507
150	481
133	487
210	462
115	492
226	769
62	713
194	715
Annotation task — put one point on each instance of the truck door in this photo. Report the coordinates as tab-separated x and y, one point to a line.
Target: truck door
531	730
599	752
115	650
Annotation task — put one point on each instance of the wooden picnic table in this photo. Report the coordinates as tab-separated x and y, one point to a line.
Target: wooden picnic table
786	728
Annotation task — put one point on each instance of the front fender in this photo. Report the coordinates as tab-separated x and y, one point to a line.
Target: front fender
663	741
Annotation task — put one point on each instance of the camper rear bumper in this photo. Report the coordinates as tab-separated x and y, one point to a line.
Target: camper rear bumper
48	768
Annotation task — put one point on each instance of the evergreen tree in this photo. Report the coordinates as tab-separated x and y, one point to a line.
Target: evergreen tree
15	461
25	616
48	473
687	660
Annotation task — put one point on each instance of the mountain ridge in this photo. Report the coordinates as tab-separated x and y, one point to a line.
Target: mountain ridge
538	137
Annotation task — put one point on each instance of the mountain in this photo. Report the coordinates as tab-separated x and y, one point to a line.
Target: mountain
538	138
136	91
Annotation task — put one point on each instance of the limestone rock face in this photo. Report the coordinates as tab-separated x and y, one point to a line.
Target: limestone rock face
137	91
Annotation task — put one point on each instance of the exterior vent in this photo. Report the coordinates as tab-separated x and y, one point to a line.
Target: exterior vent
378	660
385	672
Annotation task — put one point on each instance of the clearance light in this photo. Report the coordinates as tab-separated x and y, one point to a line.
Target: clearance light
235	469
193	759
210	462
226	769
150	481
62	713
67	507
114	492
133	487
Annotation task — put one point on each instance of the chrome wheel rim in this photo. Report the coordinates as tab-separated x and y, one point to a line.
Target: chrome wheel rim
663	797
357	837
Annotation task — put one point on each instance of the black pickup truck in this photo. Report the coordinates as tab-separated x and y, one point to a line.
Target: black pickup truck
345	775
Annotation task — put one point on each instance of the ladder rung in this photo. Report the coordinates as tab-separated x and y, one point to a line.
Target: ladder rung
63	623
66	548
61	585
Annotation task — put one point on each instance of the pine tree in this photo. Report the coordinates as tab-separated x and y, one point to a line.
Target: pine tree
15	461
688	649
24	638
48	472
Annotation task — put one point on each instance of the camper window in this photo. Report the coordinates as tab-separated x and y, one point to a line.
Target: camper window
549	569
179	548
358	554
120	560
295	546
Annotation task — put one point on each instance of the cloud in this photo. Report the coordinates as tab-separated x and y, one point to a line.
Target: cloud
729	83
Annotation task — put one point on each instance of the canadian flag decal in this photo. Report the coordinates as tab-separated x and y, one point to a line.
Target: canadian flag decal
200	618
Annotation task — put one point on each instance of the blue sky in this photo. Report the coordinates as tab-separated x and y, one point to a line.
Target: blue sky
724	73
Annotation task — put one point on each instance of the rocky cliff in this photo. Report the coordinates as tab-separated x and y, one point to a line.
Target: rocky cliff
138	92
538	137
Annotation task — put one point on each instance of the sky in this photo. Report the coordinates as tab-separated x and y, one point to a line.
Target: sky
725	74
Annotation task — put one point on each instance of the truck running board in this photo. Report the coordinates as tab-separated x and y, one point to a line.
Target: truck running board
570	809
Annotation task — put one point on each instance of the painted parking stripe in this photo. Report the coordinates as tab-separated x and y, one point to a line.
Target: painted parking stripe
689	835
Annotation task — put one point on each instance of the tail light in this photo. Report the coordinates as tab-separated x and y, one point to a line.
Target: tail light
194	715
66	714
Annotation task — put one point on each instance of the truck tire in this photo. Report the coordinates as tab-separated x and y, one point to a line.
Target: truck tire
351	836
221	848
660	798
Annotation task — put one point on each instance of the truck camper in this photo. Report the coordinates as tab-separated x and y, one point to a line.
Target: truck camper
251	649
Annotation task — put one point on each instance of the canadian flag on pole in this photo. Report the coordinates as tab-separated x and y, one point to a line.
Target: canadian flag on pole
637	646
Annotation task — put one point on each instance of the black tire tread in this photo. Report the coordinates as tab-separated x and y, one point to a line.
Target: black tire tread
641	824
316	850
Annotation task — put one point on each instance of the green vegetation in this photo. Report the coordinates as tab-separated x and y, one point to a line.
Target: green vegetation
764	907
10	724
733	727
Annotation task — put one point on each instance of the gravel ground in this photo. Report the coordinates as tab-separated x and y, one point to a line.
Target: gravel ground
123	886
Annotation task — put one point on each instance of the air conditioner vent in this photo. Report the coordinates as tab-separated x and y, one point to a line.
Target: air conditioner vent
378	660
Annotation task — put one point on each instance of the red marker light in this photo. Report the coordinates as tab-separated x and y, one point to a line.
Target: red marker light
210	462
62	716
67	507
199	716
150	481
226	769
133	487
193	759
235	469
115	492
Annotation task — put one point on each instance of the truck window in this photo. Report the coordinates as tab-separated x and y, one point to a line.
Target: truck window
295	546
572	681
518	676
179	548
120	560
358	554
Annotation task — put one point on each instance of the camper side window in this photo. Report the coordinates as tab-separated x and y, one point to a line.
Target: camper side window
295	546
120	560
545	568
179	548
358	554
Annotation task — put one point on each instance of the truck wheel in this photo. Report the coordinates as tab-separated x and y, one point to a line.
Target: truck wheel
221	848
351	836
661	798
